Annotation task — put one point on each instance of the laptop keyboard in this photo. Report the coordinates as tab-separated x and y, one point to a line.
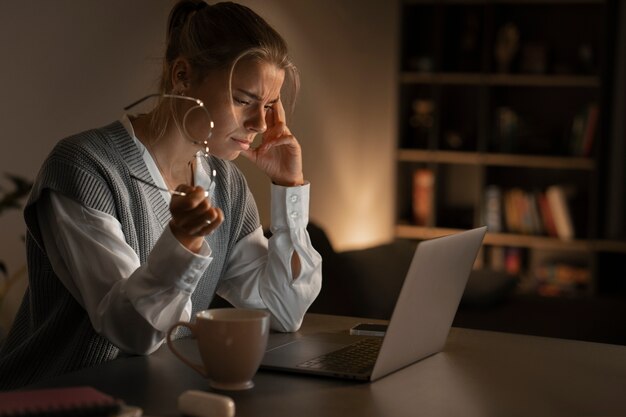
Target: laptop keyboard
356	358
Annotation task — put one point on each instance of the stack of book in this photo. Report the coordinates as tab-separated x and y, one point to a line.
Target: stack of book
539	212
561	279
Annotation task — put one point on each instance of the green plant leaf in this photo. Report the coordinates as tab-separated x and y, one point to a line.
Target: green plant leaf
12	199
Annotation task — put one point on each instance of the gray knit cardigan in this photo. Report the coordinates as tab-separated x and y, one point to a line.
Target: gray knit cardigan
52	333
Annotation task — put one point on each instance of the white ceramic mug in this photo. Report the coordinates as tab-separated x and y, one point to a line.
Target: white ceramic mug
231	341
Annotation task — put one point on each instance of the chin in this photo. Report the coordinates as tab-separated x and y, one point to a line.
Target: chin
230	156
225	154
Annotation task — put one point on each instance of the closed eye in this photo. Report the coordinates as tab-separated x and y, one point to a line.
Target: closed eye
240	101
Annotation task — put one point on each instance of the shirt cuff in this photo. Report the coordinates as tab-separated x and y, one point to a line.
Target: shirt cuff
171	261
290	206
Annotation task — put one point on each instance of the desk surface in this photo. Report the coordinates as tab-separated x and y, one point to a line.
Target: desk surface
479	373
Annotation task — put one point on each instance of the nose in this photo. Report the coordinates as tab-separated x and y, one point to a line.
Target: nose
255	121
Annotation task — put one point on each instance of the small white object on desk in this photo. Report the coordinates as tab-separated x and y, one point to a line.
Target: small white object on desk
205	404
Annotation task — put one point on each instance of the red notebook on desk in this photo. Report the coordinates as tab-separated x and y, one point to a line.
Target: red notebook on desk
74	401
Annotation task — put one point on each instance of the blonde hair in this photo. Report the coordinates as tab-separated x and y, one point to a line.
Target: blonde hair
218	37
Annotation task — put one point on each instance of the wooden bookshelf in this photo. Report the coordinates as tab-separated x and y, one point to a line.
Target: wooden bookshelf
407	231
481	116
479	158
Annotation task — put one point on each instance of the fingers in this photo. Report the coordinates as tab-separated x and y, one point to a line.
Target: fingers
276	116
193	196
193	214
198	226
279	113
287	139
206	224
277	133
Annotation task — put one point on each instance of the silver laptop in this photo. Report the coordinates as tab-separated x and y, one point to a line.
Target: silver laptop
418	327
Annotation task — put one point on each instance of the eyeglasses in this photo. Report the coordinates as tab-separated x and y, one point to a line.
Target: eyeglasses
199	105
203	141
173	192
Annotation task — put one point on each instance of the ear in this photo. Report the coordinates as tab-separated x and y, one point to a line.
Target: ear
181	75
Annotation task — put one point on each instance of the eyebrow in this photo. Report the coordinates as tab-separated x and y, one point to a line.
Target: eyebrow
255	97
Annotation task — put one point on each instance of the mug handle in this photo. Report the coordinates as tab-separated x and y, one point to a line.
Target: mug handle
195	366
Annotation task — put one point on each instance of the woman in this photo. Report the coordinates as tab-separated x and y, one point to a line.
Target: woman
134	226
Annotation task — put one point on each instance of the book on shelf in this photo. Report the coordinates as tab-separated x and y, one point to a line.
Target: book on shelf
513	260
534	214
593	114
546	214
512	218
521	214
559	207
561	278
506	259
583	130
423	189
493	209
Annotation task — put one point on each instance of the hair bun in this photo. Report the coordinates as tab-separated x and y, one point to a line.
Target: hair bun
181	13
201	5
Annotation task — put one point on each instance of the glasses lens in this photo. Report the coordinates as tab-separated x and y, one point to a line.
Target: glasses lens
197	124
204	174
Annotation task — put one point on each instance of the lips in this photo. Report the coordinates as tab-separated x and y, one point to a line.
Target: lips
243	143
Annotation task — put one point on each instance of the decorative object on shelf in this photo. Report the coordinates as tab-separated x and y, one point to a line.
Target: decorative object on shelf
423	186
506	47
507	129
422	121
453	139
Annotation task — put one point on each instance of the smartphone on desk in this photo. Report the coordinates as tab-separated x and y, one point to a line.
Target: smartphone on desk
369	329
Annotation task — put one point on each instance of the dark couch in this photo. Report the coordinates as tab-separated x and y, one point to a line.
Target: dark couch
366	282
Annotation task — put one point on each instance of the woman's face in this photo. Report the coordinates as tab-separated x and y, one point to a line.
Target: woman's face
239	116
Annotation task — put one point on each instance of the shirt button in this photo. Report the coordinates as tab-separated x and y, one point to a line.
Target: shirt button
293	214
294	198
